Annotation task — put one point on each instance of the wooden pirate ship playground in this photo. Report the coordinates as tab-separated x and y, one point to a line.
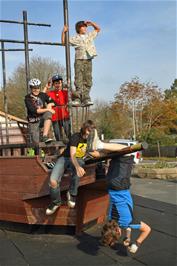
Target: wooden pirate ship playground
24	189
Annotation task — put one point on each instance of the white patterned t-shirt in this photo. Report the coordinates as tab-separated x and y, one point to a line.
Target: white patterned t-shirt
84	45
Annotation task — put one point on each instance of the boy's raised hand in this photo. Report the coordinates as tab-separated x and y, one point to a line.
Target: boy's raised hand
49	82
93	24
88	23
47	85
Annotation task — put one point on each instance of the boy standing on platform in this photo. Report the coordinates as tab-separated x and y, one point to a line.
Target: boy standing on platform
85	51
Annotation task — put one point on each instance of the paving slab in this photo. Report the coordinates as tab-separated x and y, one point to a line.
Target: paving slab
9	252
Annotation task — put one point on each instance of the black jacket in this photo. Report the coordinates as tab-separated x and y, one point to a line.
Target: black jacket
31	106
119	172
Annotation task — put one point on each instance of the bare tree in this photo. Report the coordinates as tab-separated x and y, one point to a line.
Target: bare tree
41	68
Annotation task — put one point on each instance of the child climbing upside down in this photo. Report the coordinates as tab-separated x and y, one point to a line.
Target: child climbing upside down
121	206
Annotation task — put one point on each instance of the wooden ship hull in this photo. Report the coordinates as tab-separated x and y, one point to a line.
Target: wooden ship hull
24	190
24	194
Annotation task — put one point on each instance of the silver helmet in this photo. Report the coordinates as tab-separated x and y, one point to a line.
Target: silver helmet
34	83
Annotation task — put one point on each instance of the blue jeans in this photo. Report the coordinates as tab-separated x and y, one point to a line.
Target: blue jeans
61	165
57	128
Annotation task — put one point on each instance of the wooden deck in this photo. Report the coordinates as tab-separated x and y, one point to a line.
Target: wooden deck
24	194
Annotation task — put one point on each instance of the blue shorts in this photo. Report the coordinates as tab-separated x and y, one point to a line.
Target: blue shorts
121	209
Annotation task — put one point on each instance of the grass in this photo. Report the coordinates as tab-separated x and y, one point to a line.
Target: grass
160	163
166	159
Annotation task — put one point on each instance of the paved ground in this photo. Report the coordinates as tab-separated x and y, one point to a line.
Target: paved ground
156	189
155	203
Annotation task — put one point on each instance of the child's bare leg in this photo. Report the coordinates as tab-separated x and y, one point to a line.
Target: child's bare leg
94	143
106	148
145	231
96	154
113	146
47	124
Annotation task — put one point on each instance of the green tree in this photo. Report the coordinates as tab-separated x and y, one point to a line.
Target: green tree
172	92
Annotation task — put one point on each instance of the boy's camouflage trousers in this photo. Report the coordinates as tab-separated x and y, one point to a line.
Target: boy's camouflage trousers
83	78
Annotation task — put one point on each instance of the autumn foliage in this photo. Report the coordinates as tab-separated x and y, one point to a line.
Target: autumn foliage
141	109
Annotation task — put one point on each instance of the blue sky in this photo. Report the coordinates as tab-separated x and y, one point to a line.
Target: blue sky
137	38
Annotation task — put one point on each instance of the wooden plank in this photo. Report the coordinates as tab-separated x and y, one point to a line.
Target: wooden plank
36	209
67	221
18	166
87	209
44	190
30	195
24	179
21	185
12	207
43	187
97	202
14	195
22	175
19	169
93	211
63	221
62	212
13	217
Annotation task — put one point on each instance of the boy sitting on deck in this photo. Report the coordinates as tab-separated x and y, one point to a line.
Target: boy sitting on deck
73	158
39	110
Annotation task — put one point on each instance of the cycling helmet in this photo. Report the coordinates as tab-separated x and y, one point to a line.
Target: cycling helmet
56	77
34	83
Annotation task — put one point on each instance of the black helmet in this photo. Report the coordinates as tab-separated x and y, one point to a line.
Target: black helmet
56	77
80	24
